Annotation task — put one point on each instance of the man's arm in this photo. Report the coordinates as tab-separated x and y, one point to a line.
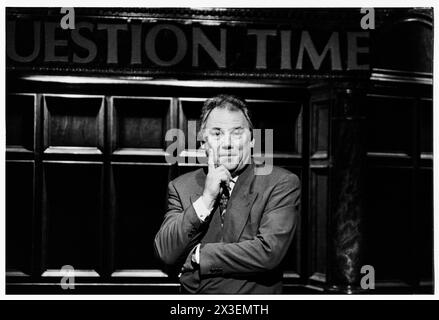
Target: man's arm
268	248
180	231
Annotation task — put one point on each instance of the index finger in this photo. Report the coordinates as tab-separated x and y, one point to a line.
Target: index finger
217	160
210	161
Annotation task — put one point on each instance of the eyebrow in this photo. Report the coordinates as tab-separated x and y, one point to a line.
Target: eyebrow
217	128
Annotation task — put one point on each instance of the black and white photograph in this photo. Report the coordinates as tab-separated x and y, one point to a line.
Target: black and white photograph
219	151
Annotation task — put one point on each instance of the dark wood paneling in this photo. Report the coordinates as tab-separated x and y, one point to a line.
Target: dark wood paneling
426	126
190	111
73	121
72	215
319	129
140	207
292	262
388	234
20	110
140	122
406	45
19	216
424	223
118	239
317	222
285	118
384	134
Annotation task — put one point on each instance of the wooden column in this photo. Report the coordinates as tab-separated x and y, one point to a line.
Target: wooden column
347	156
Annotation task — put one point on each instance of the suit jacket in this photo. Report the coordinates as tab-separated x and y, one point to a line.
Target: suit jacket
245	255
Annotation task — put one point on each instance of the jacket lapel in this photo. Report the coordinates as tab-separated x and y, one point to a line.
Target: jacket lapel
200	179
239	205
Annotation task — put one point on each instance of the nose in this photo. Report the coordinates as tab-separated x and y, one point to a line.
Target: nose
226	142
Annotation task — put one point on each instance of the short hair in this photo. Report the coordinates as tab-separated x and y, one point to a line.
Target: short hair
231	102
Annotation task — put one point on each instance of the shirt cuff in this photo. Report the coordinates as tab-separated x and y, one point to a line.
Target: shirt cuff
195	257
197	254
200	209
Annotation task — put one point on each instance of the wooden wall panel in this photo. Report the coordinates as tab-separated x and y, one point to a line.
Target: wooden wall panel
293	260
20	110
140	122
190	111
398	43
73	121
424	226
426	126
140	191
19	216
388	233
318	224
319	129
72	215
101	216
384	134
285	118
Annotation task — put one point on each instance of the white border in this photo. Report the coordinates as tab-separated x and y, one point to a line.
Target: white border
216	3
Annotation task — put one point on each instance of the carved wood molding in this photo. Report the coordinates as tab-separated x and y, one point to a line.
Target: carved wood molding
301	17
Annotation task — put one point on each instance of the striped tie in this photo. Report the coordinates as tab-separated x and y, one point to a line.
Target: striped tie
225	196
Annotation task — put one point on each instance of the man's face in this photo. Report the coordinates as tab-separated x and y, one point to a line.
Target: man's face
227	133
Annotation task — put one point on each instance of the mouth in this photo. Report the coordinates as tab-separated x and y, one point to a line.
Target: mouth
228	155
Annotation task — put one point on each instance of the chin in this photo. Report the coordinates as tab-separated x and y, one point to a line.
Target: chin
230	167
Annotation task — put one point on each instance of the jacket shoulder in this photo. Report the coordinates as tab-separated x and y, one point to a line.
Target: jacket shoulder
188	179
279	174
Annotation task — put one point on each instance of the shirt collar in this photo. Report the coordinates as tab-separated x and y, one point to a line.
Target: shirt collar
232	182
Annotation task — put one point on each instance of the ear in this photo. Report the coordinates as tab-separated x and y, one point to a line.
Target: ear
204	146
252	143
201	140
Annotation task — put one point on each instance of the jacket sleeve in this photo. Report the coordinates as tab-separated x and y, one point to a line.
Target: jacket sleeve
180	231
267	249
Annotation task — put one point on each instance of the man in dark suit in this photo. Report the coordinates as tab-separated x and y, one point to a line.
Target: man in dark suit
229	226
